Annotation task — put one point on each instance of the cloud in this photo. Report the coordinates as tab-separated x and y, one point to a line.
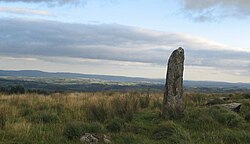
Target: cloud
48	40
16	10
207	10
49	2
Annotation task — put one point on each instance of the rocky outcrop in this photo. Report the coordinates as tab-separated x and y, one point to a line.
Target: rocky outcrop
172	101
94	139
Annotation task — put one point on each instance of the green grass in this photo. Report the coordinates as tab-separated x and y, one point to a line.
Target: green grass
127	118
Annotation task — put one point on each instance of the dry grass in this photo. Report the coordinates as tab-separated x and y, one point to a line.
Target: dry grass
36	118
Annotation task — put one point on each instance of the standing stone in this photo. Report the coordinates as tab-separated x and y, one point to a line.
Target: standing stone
172	101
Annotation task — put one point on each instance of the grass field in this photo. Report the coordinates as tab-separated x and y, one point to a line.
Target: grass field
127	118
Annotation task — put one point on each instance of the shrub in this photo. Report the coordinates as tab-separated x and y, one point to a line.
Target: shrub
115	125
97	110
171	133
225	116
76	129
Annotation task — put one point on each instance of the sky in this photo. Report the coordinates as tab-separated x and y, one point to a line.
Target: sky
127	37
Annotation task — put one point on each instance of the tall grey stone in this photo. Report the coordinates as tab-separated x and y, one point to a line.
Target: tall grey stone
172	101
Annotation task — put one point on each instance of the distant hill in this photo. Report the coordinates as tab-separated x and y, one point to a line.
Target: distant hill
210	84
121	79
34	73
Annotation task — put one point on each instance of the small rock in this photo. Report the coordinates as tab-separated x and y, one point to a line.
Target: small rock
94	139
89	139
224	98
233	106
105	139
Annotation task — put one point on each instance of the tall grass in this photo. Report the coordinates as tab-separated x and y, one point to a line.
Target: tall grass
127	117
101	109
2	118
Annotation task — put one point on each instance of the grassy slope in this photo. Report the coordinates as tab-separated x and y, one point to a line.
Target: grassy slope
126	117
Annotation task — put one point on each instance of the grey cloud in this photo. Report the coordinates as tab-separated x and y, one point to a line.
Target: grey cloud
26	38
37	1
16	10
204	10
49	2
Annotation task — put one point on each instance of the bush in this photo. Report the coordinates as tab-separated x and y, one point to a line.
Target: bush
171	133
115	125
225	116
76	129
